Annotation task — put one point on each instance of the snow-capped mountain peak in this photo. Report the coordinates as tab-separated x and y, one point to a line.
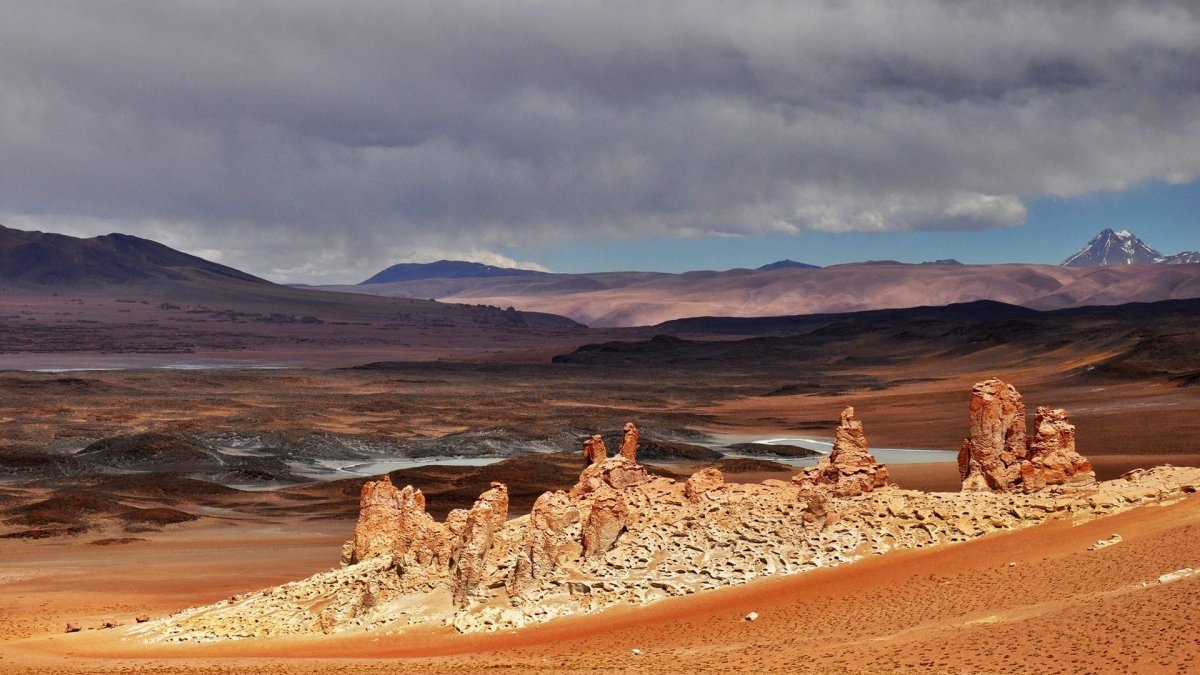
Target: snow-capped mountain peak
1114	248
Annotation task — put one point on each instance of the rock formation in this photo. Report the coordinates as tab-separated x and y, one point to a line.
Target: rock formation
378	516
629	444
616	472
850	469
546	543
1052	459
701	483
605	521
998	455
990	457
594	451
624	537
469	562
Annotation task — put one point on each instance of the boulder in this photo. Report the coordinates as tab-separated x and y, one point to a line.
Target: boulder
991	456
850	469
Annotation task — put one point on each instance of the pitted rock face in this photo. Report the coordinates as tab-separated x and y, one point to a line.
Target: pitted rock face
1052	458
991	456
469	563
546	543
850	469
594	451
703	482
419	541
629	444
617	473
605	521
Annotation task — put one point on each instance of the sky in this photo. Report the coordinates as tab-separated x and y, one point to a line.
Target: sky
319	142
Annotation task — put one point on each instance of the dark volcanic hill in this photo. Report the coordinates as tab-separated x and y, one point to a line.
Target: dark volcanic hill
54	259
787	264
445	269
1132	342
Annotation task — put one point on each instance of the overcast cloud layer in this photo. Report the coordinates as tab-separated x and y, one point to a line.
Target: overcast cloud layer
320	141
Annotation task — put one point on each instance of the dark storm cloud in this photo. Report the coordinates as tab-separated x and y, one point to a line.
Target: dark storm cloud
321	140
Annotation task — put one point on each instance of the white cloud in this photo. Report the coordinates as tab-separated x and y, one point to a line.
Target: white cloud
312	141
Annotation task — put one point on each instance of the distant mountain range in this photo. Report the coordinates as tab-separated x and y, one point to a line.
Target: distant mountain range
1104	273
40	258
1123	247
445	269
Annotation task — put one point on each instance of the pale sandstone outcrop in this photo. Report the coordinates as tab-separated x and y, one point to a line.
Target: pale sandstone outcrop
605	521
623	537
615	472
702	482
469	562
378	517
850	469
546	543
629	442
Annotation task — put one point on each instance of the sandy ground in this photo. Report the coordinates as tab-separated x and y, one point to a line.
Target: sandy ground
959	608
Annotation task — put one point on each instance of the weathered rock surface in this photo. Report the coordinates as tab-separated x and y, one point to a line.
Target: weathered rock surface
594	451
616	472
629	443
378	517
670	546
469	562
701	483
1052	458
999	456
624	537
606	520
990	458
850	469
547	543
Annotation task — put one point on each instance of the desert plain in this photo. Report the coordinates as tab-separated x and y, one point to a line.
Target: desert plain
85	545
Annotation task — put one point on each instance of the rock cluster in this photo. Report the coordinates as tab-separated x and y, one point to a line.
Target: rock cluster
999	456
621	536
850	469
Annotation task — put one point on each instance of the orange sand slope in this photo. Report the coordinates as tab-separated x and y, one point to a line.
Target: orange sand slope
963	608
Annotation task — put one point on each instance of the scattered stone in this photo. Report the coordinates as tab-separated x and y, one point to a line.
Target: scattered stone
636	652
108	623
1104	543
73	628
752	616
1012	564
1176	575
141	618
